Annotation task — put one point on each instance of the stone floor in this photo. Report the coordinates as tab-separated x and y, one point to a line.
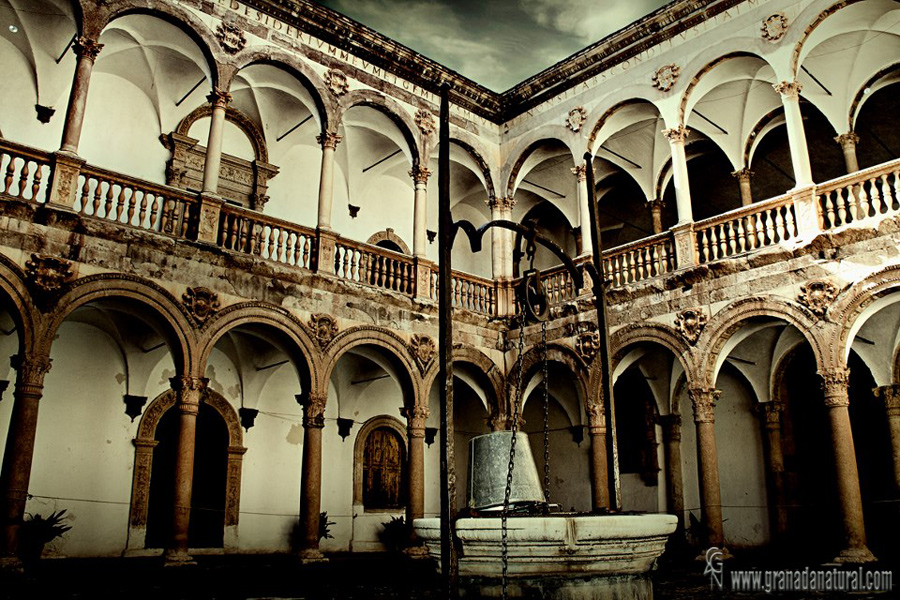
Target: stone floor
345	577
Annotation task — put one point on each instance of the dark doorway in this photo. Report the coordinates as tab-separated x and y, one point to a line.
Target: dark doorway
207	525
383	476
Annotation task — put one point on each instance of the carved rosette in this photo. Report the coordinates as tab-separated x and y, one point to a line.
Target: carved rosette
834	387
219	98
231	38
676	134
314	411
774	27
423	349
817	296
788	89
576	118
890	395
587	345
415	419
580	173
47	274
690	324
85	47
329	140
703	400
337	82
664	77
324	327
425	121
420	174
201	303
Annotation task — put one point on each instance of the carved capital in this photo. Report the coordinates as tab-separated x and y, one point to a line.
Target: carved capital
817	295
219	98
329	140
788	89
834	387
231	37
188	389
587	344
596	415
690	324
580	173
704	401
85	47
423	349
420	174
30	368
415	418
323	327
425	121
676	134
47	274
890	395
656	205
664	78
576	118
774	27
770	413
501	203
201	303
744	174
337	82
847	140
671	427
313	410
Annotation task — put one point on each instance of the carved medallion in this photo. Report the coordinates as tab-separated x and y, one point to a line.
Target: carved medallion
336	82
576	119
47	273
423	349
587	345
425	122
817	296
665	77
774	27
231	37
324	328
690	324
201	303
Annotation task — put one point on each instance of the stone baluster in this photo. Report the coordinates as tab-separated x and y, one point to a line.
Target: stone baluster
599	474
848	143
703	401
311	477
743	176
584	215
770	415
19	451
890	395
790	99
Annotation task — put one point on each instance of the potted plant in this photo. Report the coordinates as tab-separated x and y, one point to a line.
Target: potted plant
36	532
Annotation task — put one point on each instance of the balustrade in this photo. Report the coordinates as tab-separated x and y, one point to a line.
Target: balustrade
26	172
374	266
278	241
747	228
863	197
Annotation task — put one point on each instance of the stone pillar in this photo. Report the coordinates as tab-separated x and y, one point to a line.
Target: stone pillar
834	386
599	474
671	430
770	413
188	405
656	207
420	177
848	143
311	477
19	451
676	137
86	51
329	142
790	99
584	214
415	430
890	394
703	401
501	239
743	176
219	99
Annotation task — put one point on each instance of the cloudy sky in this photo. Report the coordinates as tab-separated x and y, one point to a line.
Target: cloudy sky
497	43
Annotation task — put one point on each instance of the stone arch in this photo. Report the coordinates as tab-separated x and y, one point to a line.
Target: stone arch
851	306
359	447
611	105
527	145
477	151
484	364
144	443
861	96
243	122
831	7
391	109
388	235
555	353
20	303
621	340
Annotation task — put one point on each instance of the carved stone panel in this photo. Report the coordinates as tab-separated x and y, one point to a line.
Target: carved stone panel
817	296
47	274
587	345
774	27
576	119
690	324
337	82
423	349
425	122
324	328
231	37
664	77
201	303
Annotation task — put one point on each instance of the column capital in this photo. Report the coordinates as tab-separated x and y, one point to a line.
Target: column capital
85	47
770	413
415	418
789	90
188	383
580	173
219	98
656	204
596	414
671	426
742	174
501	203
890	394
31	368
420	174
847	139
328	139
313	409
704	401
834	386
676	134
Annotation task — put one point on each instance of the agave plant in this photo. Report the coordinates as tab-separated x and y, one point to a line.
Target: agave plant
36	532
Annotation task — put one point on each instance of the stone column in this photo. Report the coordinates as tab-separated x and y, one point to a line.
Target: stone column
671	430
890	394
311	477
219	99
790	99
676	137
770	413
188	389
743	176
501	239
415	430
656	207
834	386
703	401
584	214
86	51
19	451
848	143
599	474
329	142
420	177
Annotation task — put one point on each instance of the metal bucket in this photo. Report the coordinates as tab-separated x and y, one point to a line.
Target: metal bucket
488	466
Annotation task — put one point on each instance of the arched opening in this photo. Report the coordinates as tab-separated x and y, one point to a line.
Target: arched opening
637	442
384	473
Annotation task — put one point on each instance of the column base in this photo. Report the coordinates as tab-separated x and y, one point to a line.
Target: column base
178	558
855	556
11	565
416	552
311	556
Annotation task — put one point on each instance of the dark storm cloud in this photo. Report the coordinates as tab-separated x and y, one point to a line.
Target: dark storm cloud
499	43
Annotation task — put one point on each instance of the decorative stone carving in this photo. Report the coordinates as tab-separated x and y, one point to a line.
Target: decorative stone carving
425	121
416	417
587	345
596	415
337	82
329	140
774	27
420	174
580	173
231	38
671	426
47	273
676	134
87	48
324	327
770	412
817	296
742	174
314	410
423	349
834	387
890	394
704	401
30	368
788	89
664	77
576	119
219	98
849	139
503	204
690	324
201	303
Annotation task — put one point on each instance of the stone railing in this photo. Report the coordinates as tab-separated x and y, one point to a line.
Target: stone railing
250	232
862	197
26	172
371	265
746	228
640	260
469	292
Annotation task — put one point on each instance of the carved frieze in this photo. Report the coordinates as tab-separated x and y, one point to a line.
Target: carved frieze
423	349
337	82
47	274
231	38
774	27
817	296
576	119
664	77
201	303
690	324
425	121
324	327
587	344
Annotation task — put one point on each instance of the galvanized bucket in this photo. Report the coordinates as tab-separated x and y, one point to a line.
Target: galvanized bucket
488	466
